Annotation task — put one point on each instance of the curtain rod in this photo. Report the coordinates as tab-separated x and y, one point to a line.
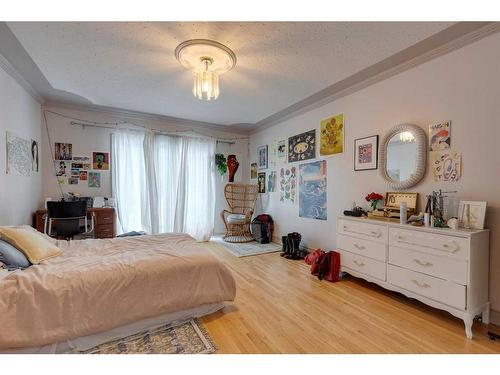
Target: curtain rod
229	141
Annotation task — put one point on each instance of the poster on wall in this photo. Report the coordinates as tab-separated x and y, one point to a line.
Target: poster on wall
446	165
34	156
73	181
440	136
100	161
262	157
332	135
302	146
62	168
63	151
288	184
312	190
271	182
94	180
253	171
18	155
366	153
261	182
83	175
278	152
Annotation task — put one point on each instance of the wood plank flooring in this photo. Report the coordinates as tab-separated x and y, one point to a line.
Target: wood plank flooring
281	308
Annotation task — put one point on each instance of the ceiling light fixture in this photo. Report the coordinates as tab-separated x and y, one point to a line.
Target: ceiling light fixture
207	59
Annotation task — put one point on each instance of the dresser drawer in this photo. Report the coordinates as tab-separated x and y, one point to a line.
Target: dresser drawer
372	232
446	292
362	264
104	231
438	244
439	266
105	217
371	249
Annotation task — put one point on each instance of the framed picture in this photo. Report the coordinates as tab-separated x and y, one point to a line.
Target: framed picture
471	214
253	171
302	146
262	157
366	153
261	182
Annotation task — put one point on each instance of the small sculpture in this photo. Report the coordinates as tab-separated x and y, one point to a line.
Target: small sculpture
232	166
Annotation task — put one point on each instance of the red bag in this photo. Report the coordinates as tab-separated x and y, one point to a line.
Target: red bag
311	257
327	266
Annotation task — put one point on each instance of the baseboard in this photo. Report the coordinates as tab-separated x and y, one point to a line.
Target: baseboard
495	317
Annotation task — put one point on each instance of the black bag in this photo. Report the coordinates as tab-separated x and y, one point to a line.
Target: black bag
262	228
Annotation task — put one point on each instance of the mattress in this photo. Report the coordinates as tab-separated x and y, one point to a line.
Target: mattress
98	285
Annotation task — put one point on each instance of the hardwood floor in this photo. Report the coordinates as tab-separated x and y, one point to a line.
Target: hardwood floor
281	308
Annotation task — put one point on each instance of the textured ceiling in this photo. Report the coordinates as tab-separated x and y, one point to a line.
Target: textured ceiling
132	65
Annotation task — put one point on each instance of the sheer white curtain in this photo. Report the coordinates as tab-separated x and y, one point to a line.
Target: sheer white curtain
129	181
185	184
164	183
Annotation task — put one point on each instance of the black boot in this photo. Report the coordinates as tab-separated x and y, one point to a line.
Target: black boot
289	245
294	251
284	249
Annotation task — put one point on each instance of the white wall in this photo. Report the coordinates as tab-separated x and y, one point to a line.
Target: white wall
19	114
462	86
88	139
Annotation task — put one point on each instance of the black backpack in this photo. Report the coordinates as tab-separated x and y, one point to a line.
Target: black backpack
262	228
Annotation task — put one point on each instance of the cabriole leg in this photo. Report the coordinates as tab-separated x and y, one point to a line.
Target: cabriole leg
468	320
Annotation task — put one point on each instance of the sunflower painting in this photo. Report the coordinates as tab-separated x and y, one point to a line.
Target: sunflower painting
332	135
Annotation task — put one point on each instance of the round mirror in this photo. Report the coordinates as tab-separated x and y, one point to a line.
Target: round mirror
402	156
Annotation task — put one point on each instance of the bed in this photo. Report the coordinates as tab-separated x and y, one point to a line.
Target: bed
99	289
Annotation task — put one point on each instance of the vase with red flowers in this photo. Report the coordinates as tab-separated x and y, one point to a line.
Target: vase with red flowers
373	199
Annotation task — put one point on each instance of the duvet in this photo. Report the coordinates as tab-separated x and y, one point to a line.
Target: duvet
97	285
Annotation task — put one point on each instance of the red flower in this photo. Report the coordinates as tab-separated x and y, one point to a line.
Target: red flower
373	197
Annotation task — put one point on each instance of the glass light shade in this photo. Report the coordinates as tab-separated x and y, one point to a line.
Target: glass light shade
206	85
406	137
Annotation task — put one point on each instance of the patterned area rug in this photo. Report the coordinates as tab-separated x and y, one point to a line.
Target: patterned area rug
184	338
248	248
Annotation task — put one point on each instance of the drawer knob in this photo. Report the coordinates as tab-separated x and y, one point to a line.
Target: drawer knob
453	247
358	263
425	264
359	247
420	285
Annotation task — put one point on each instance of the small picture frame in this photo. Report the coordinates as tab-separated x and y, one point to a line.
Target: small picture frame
474	218
262	157
366	153
261	182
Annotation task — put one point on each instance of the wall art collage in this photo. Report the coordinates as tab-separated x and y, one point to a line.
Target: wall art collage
446	163
75	170
305	183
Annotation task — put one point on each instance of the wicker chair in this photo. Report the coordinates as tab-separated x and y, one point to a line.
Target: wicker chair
241	200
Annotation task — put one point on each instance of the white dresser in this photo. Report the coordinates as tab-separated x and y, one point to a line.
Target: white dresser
443	268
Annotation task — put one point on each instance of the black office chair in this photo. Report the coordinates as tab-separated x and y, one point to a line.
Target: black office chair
68	216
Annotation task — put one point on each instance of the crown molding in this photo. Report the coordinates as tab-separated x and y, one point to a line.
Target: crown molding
446	41
11	71
144	116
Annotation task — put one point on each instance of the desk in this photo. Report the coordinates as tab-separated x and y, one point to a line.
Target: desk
105	221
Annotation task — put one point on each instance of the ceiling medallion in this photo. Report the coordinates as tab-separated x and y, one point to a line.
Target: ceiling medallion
207	59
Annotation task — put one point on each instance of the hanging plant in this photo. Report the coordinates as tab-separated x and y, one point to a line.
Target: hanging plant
220	162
